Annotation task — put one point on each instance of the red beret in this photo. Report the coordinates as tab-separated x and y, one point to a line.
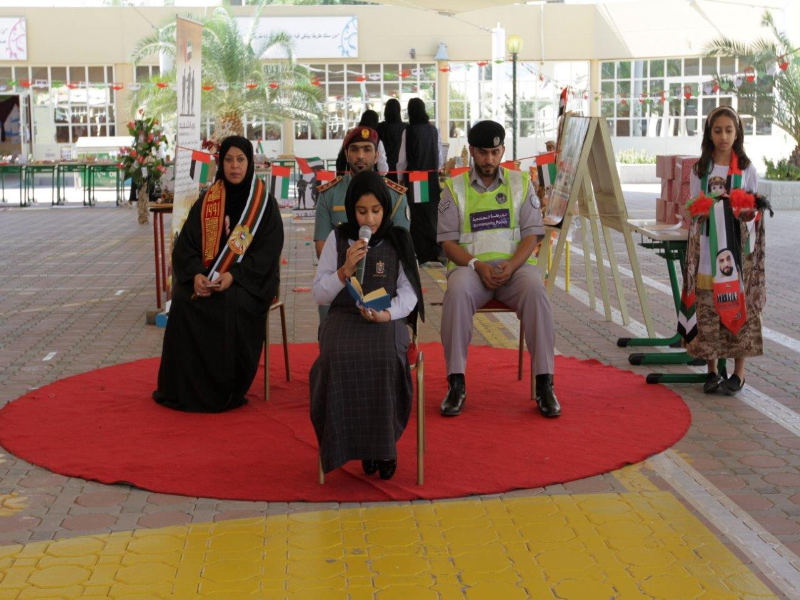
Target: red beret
361	134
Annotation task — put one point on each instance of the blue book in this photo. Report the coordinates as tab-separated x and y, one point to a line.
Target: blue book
378	300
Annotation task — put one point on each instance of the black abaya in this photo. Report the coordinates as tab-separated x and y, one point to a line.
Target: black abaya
212	345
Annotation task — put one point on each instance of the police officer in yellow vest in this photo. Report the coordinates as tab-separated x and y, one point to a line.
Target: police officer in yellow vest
489	224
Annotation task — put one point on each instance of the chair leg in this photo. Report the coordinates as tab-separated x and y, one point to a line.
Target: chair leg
285	343
521	350
266	360
420	369
321	472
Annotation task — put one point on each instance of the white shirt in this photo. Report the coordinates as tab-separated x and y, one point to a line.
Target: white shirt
749	179
327	284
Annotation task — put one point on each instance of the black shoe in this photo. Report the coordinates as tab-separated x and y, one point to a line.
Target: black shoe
712	383
387	468
370	466
546	397
732	385
456	395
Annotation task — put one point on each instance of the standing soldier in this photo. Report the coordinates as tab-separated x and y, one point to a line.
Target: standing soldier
489	224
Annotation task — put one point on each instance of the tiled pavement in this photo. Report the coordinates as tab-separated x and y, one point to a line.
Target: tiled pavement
716	516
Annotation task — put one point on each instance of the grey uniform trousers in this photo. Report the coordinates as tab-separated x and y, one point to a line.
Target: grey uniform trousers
524	293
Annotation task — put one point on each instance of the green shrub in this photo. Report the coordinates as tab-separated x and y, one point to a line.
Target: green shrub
783	171
632	156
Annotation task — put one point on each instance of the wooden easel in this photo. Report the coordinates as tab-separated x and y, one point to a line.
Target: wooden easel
587	175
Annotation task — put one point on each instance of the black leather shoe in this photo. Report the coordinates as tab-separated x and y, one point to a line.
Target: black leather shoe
546	397
387	468
370	466
715	382
732	385
456	395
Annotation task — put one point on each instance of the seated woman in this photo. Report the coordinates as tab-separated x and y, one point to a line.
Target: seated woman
225	268
361	383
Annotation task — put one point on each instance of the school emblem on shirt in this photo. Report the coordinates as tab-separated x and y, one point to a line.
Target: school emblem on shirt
240	239
380	268
501	198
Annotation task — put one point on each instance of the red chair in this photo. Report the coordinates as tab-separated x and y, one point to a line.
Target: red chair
276	304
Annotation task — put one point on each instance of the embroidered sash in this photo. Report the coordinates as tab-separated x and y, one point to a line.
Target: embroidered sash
212	215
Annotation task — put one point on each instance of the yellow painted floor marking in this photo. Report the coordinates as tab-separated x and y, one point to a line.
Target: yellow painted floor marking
580	546
633	479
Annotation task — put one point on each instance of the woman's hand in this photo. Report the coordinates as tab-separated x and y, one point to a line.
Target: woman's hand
202	286
370	315
355	253
223	282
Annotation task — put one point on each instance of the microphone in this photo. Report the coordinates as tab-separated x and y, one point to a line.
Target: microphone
363	234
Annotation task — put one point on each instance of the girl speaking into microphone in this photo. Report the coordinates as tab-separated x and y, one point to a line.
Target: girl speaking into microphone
361	389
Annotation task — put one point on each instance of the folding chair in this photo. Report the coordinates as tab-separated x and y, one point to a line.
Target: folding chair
277	303
417	363
495	306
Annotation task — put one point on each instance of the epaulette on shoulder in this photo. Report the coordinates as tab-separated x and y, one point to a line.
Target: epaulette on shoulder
395	186
329	185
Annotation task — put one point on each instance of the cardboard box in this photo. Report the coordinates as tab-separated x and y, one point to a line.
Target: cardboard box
680	192
664	166
683	167
666	189
672	215
661	210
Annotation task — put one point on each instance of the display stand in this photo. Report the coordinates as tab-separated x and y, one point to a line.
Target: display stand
587	178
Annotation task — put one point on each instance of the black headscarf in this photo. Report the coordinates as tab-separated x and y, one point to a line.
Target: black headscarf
369	119
416	111
236	194
391	112
370	182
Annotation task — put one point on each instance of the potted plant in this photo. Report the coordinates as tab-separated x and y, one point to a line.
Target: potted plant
142	161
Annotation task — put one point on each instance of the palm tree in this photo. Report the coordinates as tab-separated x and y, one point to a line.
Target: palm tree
269	91
775	99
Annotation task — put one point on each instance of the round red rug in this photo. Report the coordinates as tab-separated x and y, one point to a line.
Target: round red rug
104	426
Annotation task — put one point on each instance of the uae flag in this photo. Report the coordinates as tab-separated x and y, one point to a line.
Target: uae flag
419	185
562	102
325	175
279	182
455	172
201	163
309	165
511	165
546	169
260	147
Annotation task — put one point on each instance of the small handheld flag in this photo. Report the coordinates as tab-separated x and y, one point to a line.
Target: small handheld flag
204	160
309	165
260	147
279	182
546	169
419	185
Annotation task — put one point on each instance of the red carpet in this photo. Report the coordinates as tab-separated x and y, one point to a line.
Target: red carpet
103	426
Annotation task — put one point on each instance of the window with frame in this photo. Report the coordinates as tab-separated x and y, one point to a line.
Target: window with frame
485	92
351	88
85	107
634	92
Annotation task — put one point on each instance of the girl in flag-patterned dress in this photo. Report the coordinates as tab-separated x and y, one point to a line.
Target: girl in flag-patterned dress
724	167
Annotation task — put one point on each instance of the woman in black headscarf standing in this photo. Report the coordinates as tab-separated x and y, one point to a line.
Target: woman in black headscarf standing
390	132
225	268
420	150
361	383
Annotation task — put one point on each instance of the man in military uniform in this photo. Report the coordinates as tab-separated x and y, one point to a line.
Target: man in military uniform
360	148
489	224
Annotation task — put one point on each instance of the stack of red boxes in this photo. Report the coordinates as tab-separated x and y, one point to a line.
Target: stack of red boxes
674	172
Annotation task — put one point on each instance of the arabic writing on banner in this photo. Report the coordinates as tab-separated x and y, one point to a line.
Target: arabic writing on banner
314	37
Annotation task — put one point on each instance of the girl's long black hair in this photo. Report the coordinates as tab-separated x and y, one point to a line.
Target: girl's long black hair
703	166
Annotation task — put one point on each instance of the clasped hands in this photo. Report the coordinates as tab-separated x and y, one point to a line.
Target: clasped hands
494	275
203	286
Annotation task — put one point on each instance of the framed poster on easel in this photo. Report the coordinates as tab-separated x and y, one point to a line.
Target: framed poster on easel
587	178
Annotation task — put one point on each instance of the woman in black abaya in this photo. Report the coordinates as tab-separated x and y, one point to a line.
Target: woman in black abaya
215	330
